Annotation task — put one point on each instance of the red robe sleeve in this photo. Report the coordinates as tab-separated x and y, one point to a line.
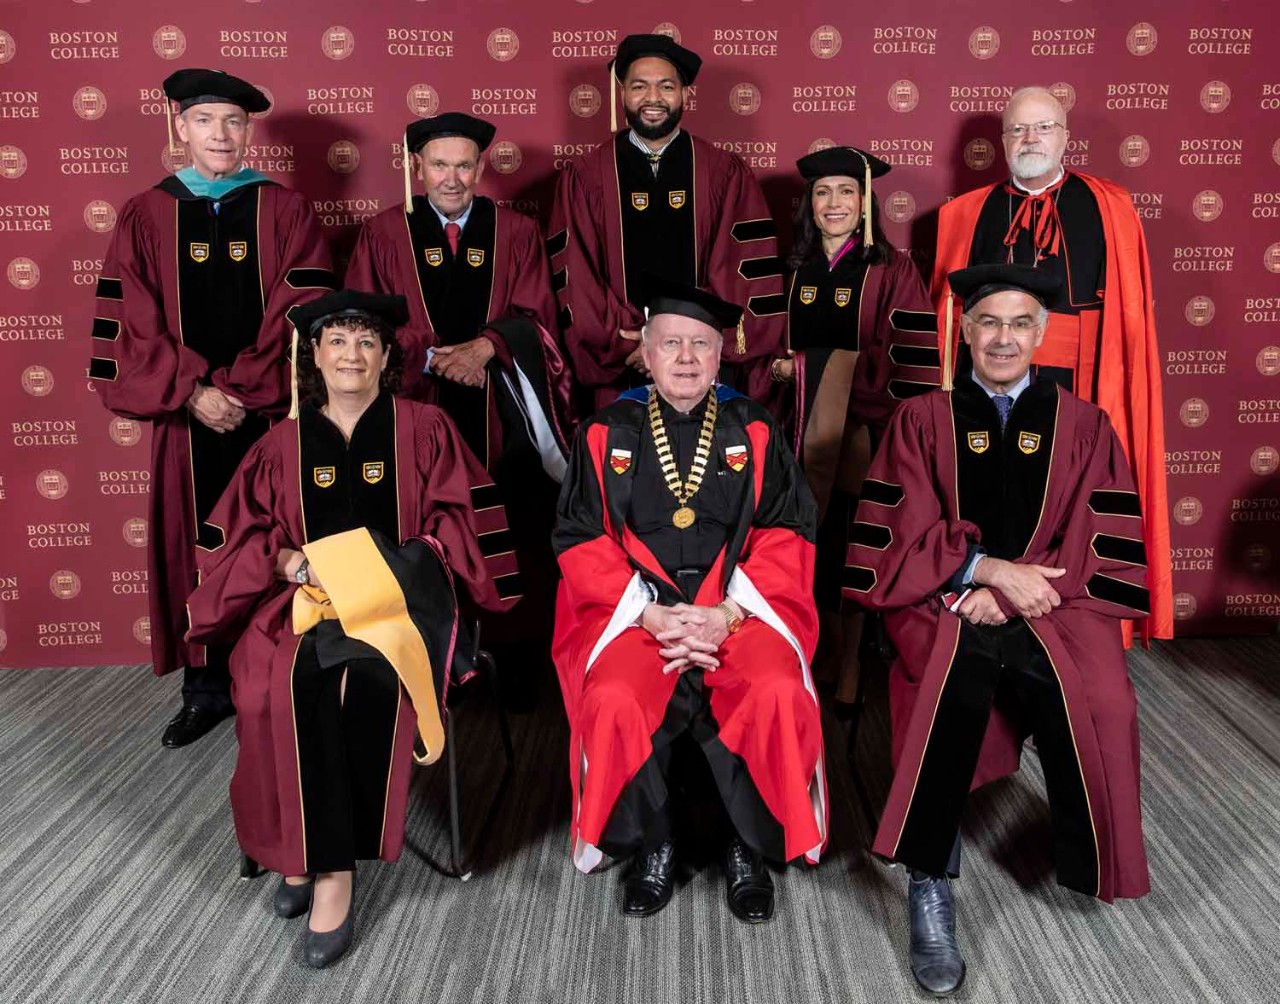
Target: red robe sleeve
904	545
259	377
591	313
140	368
369	268
238	574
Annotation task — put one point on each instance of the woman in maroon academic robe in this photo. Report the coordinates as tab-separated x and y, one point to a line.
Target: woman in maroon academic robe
333	553
860	338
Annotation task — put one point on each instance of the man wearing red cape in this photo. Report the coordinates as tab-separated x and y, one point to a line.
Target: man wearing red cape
655	199
1101	339
686	612
190	335
999	531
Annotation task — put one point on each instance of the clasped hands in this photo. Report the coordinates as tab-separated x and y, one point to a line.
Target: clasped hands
691	635
216	409
1027	587
464	363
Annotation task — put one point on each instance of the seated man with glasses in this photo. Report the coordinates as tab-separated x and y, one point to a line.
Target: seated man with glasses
1100	342
999	531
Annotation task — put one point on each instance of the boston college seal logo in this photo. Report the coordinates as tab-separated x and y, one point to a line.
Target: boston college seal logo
1184	606
825	42
503	44
506	157
1065	93
1142	39
89	103
99	216
843	296
199	251
124	431
1271	258
1194	412
1207	206
979	154
174	158
142	630
821	143
134	532
979	441
900	206
434	256
324	477
1215	96
584	101
668	29
808	294
1264	461
422	100
984	42
640	201
37	381
238	250
23	273
7	47
338	42
1268	360
1028	442
1134	151
373	471
64	584
1199	311
52	484
475	257
903	96
168	41
13	162
676	200
344	157
1188	510
620	461
744	98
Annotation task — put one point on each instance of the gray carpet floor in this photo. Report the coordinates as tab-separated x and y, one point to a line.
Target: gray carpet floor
118	872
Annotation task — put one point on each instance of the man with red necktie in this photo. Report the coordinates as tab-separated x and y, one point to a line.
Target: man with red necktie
1100	343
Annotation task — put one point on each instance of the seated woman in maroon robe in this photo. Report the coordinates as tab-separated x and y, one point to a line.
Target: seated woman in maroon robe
860	339
330	561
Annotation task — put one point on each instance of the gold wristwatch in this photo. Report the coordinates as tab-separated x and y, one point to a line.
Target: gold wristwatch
731	620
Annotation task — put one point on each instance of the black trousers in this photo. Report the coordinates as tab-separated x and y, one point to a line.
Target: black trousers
344	755
1006	667
209	686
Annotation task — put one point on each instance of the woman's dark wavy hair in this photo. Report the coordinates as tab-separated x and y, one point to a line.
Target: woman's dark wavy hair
806	243
311	382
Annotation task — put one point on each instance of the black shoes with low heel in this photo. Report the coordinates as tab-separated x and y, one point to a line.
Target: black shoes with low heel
749	886
649	885
292	900
322	949
191	723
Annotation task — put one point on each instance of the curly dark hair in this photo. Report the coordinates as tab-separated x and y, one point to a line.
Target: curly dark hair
807	241
310	381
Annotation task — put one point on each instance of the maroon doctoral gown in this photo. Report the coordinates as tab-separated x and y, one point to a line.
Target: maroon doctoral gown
519	424
756	717
1053	489
189	295
405	473
701	221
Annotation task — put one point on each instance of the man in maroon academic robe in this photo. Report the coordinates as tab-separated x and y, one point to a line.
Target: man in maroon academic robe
190	334
480	342
1100	343
1000	532
656	199
686	616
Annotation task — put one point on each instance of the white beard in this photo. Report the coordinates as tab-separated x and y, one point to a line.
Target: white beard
1032	165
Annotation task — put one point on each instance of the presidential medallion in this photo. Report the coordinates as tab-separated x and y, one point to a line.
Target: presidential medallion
683	517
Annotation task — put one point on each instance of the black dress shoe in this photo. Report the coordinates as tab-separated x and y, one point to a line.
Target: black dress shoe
936	962
189	724
292	900
649	885
320	950
750	888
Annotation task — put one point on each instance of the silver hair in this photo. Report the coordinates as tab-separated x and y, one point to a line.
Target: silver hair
1038	92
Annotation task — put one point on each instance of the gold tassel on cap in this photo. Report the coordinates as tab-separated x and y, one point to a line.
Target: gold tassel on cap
613	97
408	187
742	337
168	124
947	382
293	375
867	237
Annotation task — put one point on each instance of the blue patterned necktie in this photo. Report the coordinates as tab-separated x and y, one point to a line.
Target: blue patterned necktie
1004	404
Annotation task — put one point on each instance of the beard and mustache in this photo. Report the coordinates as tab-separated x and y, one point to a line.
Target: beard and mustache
1032	165
656	130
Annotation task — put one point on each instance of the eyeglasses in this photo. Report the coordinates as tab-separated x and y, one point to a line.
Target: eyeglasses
1019	325
1021	129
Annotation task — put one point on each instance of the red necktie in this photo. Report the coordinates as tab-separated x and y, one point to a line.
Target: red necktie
453	232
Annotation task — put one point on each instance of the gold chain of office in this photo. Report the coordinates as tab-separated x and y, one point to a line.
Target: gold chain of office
684	516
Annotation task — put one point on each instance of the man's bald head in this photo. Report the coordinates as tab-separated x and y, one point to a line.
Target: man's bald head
1034	156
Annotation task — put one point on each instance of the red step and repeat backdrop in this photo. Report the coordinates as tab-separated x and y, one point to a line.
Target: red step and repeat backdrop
1180	102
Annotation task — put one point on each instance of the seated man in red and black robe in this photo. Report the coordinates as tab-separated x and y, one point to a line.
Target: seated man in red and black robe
686	612
1000	532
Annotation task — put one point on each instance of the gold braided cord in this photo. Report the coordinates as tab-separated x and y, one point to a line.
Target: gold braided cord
668	462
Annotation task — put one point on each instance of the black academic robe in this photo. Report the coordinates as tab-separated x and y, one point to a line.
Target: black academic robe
756	716
1053	489
195	292
406	477
702	221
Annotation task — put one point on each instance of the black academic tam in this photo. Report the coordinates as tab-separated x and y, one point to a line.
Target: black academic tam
421	131
666	296
974	283
309	317
633	47
195	86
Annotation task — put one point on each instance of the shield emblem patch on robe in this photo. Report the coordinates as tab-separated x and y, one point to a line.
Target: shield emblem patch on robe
979	441
620	461
324	476
434	256
239	250
808	294
373	471
843	296
640	200
735	457
199	251
475	257
1028	442
676	199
